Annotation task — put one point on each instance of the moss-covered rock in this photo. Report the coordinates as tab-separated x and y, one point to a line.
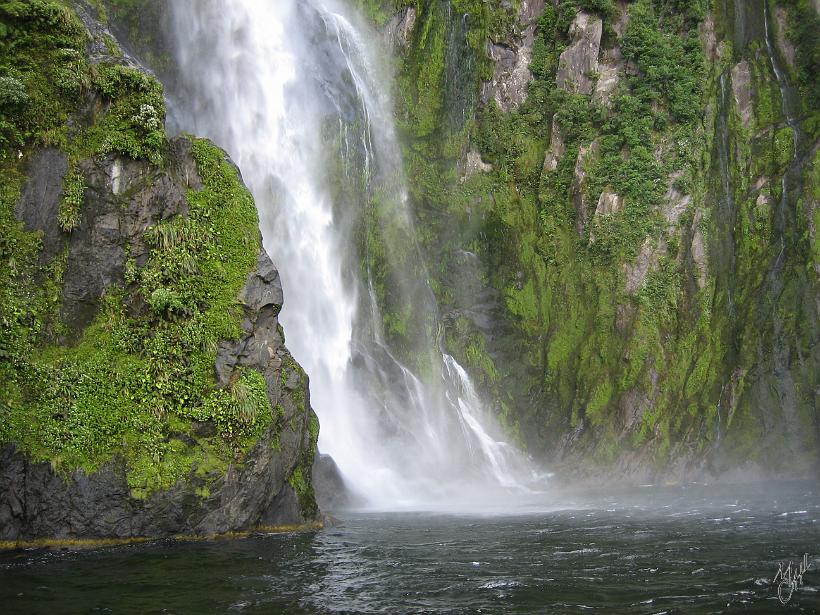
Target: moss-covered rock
633	335
142	359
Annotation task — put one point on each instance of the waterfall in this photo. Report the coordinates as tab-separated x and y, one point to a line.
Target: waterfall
297	92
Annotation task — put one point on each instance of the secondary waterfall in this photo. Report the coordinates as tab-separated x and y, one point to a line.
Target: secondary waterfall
296	92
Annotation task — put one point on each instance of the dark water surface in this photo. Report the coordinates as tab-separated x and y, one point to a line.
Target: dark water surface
693	549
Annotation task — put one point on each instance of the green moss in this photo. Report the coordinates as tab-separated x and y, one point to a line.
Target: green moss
73	196
43	71
133	382
134	122
303	488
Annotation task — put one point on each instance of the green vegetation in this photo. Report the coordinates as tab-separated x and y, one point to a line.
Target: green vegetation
576	349
138	383
134	381
804	31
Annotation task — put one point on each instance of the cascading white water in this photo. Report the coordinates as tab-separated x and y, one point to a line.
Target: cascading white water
282	85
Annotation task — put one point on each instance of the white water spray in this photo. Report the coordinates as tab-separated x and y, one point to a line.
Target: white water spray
282	85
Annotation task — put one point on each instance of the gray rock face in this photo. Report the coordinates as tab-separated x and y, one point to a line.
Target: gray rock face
578	63
472	164
609	74
512	60
636	272
398	30
784	45
557	147
697	249
742	90
40	200
332	491
609	203
611	65
709	37
123	199
35	502
585	154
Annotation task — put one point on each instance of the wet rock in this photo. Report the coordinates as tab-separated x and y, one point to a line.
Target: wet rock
578	63
784	45
101	45
709	37
124	198
263	287
633	406
332	490
742	90
39	203
698	251
399	28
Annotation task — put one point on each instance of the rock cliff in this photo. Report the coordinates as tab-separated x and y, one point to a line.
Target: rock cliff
147	387
624	226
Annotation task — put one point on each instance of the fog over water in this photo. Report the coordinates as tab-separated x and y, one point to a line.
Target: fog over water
692	549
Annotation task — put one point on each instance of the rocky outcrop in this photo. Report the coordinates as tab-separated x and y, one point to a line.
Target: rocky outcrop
123	199
612	64
609	203
512	60
399	28
472	164
609	75
635	272
557	146
742	90
111	227
784	45
332	490
39	203
585	154
578	64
